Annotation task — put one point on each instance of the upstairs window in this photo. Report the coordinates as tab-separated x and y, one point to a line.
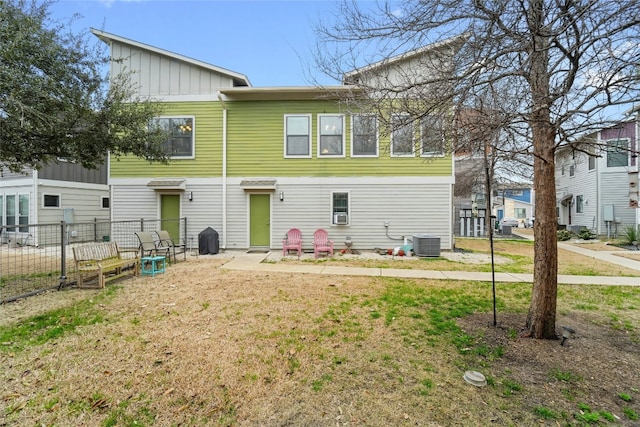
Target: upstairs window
330	135
51	200
401	136
364	136
592	162
572	170
431	136
617	153
104	202
297	139
180	131
340	208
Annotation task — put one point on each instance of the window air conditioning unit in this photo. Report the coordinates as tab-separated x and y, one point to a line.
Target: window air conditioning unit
426	245
341	218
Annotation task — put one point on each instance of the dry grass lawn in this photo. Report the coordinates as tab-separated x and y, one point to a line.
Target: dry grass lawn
204	346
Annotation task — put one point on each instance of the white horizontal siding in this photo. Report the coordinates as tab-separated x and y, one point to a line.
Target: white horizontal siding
615	191
410	205
133	200
86	204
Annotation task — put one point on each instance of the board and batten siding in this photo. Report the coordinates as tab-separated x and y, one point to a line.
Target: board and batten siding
158	75
208	147
255	134
410	205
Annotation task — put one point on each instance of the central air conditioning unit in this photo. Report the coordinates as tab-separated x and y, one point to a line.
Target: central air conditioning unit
426	245
341	219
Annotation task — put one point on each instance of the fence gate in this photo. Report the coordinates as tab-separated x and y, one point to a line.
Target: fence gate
473	226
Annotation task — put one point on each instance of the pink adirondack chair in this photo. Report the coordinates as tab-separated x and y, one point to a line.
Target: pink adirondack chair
321	242
292	242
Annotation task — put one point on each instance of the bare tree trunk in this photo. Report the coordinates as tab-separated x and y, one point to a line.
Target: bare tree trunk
541	319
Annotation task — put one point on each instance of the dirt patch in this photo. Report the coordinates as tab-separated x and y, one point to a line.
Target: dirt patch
594	366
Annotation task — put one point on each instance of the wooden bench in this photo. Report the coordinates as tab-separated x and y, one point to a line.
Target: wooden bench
102	259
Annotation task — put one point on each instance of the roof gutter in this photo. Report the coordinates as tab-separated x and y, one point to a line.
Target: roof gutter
224	171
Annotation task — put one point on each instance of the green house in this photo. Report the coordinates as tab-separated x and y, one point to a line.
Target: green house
254	162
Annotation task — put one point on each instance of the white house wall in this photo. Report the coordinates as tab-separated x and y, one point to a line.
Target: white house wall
306	205
615	192
582	183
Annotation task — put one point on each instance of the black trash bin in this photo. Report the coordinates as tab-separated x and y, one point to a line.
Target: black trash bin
208	242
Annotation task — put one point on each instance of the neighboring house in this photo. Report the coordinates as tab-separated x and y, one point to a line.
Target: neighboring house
597	181
61	191
514	201
254	162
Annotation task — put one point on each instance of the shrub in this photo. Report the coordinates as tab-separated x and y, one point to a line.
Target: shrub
564	235
586	234
631	234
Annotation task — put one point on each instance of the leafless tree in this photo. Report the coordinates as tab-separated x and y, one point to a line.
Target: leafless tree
554	69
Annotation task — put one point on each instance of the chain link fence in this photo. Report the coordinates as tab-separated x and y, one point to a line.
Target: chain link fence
38	257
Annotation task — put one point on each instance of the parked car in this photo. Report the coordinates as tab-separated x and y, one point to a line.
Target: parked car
528	223
510	222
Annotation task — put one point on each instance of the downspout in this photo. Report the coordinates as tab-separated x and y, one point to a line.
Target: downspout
224	172
35	219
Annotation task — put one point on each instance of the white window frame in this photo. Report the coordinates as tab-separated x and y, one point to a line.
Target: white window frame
44	196
592	162
321	134
193	134
286	134
394	129
615	150
333	208
102	198
424	135
353	135
580	203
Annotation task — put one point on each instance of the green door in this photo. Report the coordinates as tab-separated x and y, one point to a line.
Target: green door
170	215
259	220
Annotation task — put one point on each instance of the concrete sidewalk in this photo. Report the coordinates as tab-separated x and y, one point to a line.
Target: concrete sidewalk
253	262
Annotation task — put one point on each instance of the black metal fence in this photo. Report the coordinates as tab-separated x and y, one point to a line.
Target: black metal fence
39	257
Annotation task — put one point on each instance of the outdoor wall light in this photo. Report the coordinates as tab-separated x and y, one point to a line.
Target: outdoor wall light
190	196
282	196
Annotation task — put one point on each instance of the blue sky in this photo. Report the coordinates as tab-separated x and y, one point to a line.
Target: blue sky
271	42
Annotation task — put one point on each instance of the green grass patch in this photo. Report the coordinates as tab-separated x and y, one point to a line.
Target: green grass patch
545	413
42	328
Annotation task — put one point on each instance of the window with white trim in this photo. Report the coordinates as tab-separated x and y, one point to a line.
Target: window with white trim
330	135
181	132
105	203
297	135
592	162
364	135
431	136
23	212
401	135
51	201
617	153
17	213
579	204
10	210
340	208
